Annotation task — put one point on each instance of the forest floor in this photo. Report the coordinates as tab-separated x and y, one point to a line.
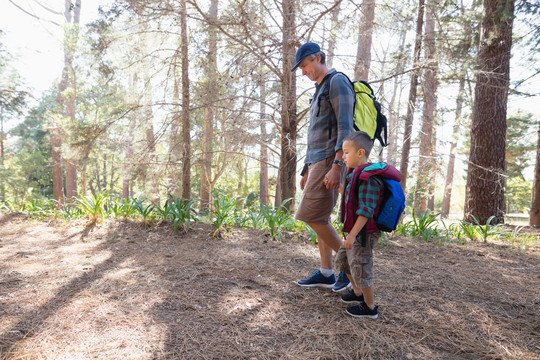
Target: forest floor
121	291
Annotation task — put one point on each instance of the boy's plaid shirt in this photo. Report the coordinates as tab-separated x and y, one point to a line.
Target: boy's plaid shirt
369	192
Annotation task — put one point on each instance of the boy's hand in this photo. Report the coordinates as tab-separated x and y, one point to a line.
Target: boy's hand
349	241
303	181
333	177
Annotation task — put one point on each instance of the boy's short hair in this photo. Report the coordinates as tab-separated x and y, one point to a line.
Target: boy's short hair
360	140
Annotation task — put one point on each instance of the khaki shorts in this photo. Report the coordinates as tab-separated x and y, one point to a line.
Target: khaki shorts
358	261
317	201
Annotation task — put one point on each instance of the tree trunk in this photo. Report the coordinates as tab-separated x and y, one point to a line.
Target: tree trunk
208	126
405	152
128	152
485	175
363	51
73	35
393	110
287	161
263	177
426	160
452	160
534	214
57	176
2	183
186	126
66	105
174	151
334	28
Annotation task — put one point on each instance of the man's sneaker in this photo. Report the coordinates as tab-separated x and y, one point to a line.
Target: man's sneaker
351	297
363	311
317	279
342	283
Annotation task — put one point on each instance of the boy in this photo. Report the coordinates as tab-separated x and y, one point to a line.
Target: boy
361	199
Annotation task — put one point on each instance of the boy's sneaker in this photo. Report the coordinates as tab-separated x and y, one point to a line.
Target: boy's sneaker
317	279
363	311
351	297
342	283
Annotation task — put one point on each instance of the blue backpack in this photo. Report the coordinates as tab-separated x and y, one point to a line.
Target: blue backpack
392	206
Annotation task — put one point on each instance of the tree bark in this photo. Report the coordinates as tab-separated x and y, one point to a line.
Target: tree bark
405	152
186	126
66	106
263	177
208	126
287	163
334	28
534	214
363	51
151	168
485	175
73	36
128	151
174	143
426	160
2	136
393	110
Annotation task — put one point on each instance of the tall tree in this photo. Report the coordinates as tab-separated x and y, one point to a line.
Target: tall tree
186	125
208	126
365	32
405	152
534	213
334	28
485	174
447	196
263	161
66	105
426	160
287	161
395	100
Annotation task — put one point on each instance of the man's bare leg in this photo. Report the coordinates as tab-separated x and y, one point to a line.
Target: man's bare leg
328	240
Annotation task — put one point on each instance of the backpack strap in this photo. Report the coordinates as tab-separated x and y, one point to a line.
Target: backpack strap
326	93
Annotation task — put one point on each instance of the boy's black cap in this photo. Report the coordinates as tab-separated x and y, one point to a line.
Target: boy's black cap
305	50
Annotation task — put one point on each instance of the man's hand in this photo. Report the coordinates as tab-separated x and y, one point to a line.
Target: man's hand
303	181
333	177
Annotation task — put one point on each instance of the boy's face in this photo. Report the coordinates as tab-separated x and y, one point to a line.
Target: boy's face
352	156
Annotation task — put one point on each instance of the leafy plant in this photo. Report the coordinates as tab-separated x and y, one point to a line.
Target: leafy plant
468	229
164	212
255	218
93	206
145	212
404	229
513	235
181	212
275	219
222	210
486	230
425	225
72	212
119	207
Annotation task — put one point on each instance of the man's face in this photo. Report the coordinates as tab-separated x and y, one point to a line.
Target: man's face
309	68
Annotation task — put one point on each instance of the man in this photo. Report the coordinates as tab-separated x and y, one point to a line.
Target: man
331	114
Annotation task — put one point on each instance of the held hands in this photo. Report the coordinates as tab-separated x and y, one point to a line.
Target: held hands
303	181
349	240
332	178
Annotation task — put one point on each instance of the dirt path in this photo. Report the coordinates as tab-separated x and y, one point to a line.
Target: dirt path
124	292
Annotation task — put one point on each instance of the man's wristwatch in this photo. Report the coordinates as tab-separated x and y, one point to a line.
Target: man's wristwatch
339	162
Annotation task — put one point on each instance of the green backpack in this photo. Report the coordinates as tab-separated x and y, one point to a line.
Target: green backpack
367	110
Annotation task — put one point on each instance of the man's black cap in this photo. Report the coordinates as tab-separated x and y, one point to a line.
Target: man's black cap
305	50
